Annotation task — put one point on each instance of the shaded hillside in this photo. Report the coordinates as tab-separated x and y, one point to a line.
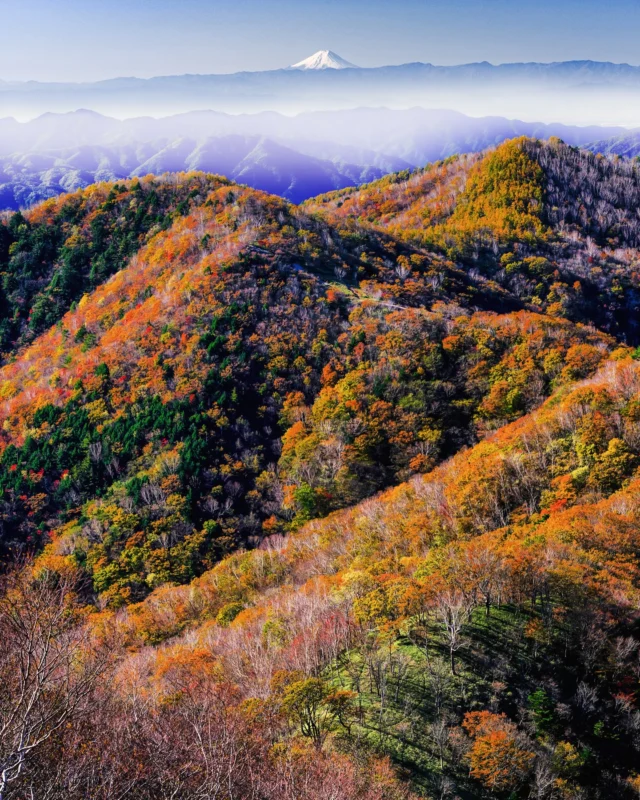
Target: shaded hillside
410	389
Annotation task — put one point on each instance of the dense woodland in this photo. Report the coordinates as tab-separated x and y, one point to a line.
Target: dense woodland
336	500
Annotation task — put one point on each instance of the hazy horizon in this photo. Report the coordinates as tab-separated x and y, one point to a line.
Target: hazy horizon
138	38
222	73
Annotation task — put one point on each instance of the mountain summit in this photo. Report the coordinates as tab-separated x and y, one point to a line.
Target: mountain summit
323	59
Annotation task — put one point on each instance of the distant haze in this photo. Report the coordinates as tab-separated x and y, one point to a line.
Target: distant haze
295	157
76	40
576	92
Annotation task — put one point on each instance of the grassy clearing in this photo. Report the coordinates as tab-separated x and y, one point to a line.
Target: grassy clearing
409	705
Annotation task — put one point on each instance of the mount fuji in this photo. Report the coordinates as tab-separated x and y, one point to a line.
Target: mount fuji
323	59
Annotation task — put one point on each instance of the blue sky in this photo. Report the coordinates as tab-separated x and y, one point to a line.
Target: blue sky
94	39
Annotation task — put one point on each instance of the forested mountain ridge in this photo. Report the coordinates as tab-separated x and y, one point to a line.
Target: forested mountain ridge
65	248
245	376
221	343
493	213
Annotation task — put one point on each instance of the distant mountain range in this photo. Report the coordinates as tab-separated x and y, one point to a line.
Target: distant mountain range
575	91
414	135
295	157
252	160
625	144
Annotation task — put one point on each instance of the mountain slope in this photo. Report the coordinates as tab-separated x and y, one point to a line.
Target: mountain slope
67	247
196	462
183	341
507	579
113	373
626	145
221	350
553	225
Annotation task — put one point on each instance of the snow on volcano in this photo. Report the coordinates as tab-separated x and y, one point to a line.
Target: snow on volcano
323	59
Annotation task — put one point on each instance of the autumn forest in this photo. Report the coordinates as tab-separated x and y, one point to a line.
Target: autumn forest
332	500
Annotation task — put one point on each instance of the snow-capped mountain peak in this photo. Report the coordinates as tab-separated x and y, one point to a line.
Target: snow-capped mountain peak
323	59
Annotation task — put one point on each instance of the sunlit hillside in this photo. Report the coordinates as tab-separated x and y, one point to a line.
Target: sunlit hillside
336	500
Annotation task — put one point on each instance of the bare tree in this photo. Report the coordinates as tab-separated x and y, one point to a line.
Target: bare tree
95	451
439	733
403	270
48	667
340	272
453	609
